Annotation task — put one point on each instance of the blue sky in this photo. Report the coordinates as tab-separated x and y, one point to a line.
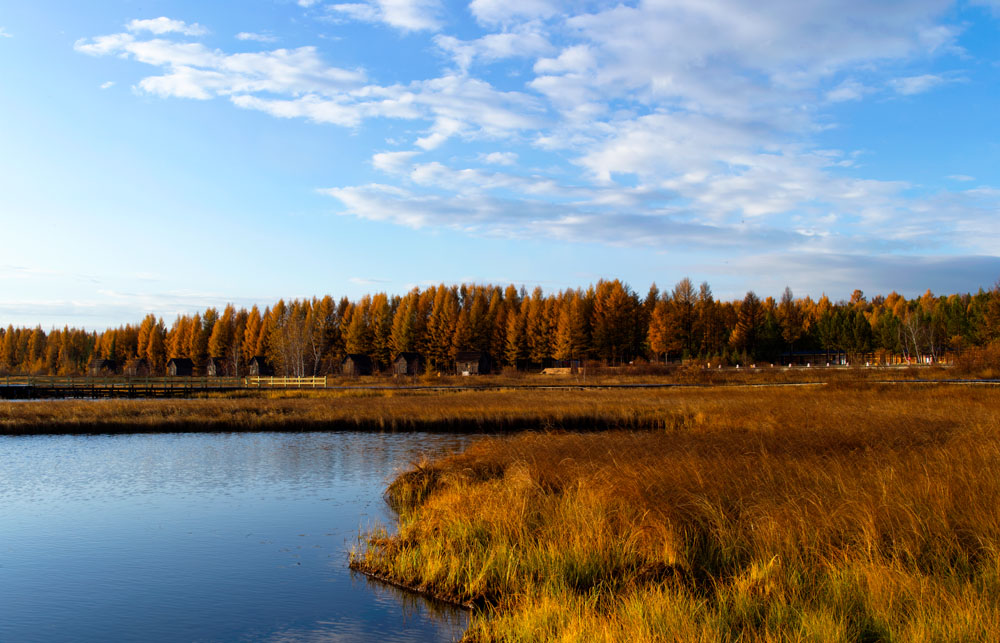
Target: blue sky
167	156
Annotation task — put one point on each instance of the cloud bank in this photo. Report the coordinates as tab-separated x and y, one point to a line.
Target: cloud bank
673	125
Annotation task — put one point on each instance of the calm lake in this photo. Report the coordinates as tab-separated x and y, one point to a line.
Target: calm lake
204	537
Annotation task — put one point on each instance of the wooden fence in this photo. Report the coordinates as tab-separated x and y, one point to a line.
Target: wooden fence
286	382
154	385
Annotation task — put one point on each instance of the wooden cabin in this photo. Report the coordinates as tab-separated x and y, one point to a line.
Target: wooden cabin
356	364
215	367
137	367
180	367
102	367
472	363
259	367
408	364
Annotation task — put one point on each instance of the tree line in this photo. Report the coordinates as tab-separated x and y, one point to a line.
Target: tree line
609	322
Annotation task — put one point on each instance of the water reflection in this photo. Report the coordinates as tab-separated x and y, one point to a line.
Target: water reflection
203	537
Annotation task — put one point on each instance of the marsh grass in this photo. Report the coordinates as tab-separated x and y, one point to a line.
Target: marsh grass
498	408
841	513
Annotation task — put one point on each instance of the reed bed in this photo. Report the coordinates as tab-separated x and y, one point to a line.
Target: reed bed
837	513
489	405
494	410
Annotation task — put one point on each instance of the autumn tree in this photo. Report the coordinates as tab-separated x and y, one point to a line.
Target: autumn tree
571	328
790	319
381	331
665	334
156	350
614	323
750	318
220	342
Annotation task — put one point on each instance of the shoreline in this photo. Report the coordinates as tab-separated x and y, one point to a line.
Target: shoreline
787	514
502	409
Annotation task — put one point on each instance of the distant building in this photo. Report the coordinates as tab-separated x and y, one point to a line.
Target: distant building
180	367
472	363
259	367
102	367
215	367
356	364
408	364
137	367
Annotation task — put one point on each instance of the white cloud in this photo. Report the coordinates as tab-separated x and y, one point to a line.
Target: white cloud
163	25
499	158
916	84
406	15
503	11
684	122
5	34
393	162
576	59
848	90
256	37
499	217
961	177
108	85
368	281
493	47
194	71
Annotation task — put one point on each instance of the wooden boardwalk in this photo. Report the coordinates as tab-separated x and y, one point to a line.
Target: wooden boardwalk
43	387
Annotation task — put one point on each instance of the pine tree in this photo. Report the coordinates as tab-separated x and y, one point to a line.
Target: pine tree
790	319
381	320
156	351
143	339
665	332
401	338
221	340
461	340
516	342
750	318
616	332
683	301
441	328
251	333
359	338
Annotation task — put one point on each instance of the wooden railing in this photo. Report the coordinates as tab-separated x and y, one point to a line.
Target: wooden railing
160	383
285	382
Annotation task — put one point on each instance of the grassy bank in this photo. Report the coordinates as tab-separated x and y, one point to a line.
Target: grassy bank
500	404
456	411
850	513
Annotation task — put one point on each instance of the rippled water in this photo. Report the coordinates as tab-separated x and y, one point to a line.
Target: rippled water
203	537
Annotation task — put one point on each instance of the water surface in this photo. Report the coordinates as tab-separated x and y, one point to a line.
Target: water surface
203	537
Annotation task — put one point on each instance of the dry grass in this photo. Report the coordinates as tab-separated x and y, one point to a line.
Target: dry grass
842	513
389	410
982	362
501	404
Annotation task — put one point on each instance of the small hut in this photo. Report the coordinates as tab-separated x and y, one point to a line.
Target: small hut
137	367
472	363
180	367
356	364
408	364
259	367
215	367
102	367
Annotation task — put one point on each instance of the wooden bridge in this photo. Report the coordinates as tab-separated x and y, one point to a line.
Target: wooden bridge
36	387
